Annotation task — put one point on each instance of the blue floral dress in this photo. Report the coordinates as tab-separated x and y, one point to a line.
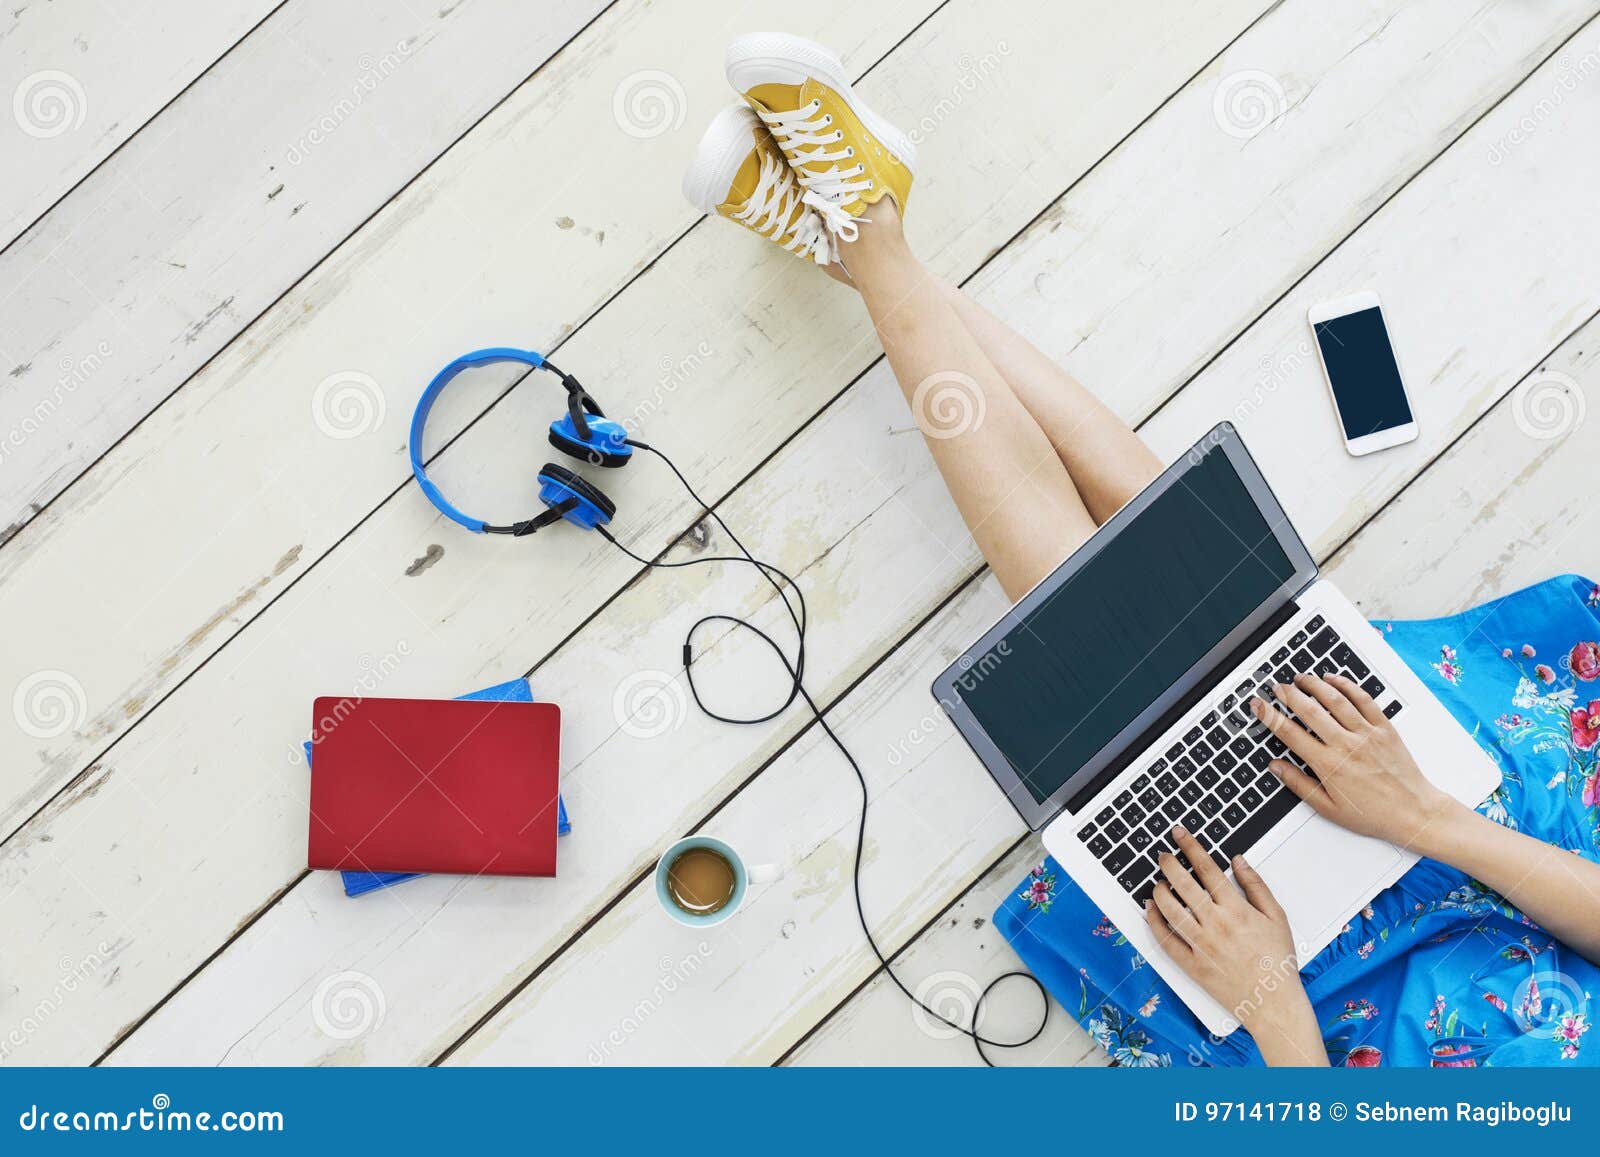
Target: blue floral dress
1438	970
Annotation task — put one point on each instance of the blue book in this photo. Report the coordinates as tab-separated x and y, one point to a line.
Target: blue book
515	691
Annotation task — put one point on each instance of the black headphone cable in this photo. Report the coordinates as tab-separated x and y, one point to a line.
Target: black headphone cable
797	690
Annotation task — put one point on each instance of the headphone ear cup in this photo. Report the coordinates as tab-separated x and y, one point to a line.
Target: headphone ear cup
606	446
583	452
557	485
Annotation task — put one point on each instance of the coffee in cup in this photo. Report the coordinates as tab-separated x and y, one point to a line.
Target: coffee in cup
701	881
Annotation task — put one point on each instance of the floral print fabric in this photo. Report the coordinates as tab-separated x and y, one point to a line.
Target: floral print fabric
1438	970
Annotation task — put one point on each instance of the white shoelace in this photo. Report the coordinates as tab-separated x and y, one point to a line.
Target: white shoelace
773	205
804	136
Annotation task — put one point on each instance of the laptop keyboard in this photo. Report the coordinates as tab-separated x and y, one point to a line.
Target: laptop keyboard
1214	779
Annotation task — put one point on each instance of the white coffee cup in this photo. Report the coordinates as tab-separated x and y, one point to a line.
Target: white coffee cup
743	877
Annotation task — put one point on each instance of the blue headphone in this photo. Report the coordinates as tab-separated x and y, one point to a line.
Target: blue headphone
583	432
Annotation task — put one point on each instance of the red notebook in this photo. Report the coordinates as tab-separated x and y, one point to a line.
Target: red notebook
434	785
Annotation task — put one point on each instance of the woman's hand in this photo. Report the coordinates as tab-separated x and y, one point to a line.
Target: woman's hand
1367	781
1365	778
1236	944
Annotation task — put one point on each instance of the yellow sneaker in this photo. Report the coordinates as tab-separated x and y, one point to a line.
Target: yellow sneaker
846	156
738	172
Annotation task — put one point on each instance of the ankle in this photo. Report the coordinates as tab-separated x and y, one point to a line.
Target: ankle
880	242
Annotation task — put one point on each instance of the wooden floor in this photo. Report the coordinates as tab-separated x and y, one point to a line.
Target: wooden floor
239	237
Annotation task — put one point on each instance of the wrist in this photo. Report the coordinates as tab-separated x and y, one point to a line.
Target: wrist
1277	1009
1285	1029
1442	823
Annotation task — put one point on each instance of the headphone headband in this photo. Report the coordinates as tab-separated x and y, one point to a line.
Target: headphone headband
419	420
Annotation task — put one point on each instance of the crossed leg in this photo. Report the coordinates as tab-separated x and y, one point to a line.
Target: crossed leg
1039	461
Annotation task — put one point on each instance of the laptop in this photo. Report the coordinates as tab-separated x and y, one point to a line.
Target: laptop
1112	702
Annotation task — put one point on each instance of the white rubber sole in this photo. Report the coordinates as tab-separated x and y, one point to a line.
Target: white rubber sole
724	147
778	58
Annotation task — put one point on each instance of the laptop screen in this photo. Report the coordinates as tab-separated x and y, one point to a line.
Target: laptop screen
1074	670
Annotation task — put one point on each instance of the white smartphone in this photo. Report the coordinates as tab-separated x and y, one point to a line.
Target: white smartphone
1363	373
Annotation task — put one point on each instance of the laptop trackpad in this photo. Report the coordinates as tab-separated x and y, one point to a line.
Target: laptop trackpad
1322	875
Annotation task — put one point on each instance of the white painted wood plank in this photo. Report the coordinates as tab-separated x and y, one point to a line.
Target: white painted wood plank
160	258
773	375
1508	505
240	482
208	1019
767	998
1270	386
80	77
1289	135
949	965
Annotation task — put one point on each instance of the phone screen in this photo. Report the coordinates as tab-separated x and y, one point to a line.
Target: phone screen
1362	368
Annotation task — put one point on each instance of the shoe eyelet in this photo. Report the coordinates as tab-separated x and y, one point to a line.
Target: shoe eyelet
828	120
838	134
850	151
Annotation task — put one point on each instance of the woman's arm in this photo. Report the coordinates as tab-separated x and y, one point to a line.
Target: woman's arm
1559	890
1368	782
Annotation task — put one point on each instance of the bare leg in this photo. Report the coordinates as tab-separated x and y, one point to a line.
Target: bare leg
1107	461
1006	478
